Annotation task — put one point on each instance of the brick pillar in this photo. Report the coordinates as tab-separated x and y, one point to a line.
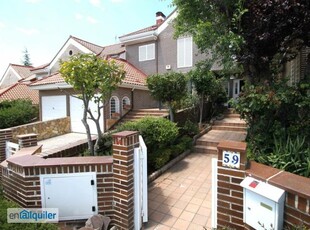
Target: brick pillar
5	135
229	191
27	140
123	176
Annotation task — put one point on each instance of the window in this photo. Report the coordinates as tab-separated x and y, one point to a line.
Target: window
126	102
147	52
185	52
114	105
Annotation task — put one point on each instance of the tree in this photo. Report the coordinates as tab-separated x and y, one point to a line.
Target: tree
254	33
168	88
206	85
95	79
26	59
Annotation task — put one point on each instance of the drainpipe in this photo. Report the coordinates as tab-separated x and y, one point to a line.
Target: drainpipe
132	97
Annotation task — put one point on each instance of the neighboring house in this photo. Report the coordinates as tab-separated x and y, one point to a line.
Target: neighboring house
15	73
19	90
14	84
298	68
57	99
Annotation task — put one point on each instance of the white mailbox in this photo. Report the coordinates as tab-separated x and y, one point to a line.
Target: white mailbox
263	204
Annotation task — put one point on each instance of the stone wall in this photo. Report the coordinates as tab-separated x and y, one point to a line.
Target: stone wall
44	129
230	193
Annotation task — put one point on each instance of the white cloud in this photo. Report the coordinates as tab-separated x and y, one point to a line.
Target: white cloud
95	3
91	20
79	16
28	31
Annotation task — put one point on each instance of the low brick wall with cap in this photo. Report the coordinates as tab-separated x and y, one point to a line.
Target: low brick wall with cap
230	193
115	179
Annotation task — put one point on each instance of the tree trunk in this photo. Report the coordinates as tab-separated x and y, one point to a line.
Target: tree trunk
201	110
171	112
99	137
84	121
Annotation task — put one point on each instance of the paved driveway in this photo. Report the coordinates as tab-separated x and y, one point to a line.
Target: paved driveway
181	197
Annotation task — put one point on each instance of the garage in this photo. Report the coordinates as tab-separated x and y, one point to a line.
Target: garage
53	107
76	115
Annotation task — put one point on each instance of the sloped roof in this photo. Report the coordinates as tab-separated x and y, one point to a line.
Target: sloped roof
133	76
91	46
19	91
112	50
147	29
52	79
22	70
40	67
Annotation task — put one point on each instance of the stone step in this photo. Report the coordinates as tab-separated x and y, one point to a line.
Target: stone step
234	124
232	115
206	142
229	128
205	149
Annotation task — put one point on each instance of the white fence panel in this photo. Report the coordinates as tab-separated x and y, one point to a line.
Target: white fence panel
140	185
10	149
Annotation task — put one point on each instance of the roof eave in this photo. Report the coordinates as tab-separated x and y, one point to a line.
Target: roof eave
138	38
60	85
133	87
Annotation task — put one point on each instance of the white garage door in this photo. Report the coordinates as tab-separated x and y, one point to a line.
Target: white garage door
53	107
74	194
76	115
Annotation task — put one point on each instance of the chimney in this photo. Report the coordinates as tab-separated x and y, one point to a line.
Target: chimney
160	18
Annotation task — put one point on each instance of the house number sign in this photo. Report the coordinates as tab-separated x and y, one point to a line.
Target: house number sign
231	159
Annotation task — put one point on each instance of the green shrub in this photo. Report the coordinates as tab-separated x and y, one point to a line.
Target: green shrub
159	135
17	112
156	132
292	155
105	146
160	158
276	111
189	128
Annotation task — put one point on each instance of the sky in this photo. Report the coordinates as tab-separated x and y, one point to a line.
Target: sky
43	26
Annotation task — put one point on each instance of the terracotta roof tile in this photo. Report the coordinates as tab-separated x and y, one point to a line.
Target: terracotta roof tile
19	91
93	47
52	79
23	71
112	50
133	75
40	67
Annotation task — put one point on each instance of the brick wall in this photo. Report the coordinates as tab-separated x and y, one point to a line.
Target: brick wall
115	178
230	193
21	180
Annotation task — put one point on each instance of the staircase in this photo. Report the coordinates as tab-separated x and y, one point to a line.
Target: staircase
231	127
137	114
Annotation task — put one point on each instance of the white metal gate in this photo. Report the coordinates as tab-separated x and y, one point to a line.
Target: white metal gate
214	193
140	185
